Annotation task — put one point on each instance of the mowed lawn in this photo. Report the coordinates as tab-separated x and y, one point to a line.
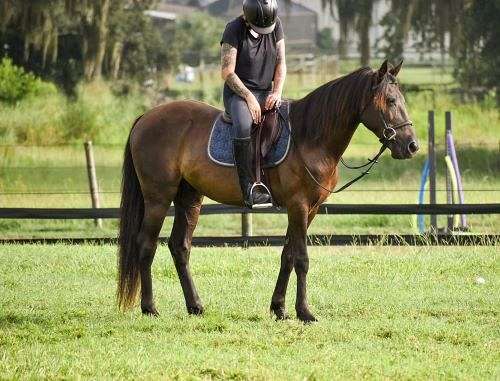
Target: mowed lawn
384	313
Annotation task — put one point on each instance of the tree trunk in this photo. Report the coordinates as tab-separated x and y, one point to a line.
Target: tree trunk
406	17
95	35
346	10
344	35
116	59
364	40
102	38
88	54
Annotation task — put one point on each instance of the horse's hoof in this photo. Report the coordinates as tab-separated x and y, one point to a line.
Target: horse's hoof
279	312
195	310
150	311
306	317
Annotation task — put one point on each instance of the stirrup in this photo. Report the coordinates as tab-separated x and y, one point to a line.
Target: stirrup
266	205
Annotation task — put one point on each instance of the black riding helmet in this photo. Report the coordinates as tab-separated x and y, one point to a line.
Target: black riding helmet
261	15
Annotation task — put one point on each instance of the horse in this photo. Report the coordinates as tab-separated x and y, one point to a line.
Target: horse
166	161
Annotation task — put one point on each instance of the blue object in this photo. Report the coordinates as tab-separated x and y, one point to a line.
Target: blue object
220	143
421	194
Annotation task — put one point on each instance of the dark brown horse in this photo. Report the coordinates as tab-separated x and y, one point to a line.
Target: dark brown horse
166	160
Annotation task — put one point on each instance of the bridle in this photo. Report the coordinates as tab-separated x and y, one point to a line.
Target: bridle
389	133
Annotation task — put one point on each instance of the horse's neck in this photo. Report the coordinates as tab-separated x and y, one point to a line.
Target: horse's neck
341	140
335	146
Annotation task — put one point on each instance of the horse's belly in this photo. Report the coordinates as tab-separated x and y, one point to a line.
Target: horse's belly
215	181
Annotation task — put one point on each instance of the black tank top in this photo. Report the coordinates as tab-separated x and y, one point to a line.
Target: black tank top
256	58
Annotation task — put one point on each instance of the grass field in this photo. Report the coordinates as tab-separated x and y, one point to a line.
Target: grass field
398	313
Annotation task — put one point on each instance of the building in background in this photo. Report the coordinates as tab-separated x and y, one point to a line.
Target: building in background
304	19
299	22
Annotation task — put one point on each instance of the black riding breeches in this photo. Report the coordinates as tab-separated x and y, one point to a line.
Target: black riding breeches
237	108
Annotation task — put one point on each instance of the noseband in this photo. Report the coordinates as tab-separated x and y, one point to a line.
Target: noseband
389	131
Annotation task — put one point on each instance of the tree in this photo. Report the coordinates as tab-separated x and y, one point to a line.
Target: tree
67	39
397	24
199	47
347	14
325	40
358	13
364	21
478	55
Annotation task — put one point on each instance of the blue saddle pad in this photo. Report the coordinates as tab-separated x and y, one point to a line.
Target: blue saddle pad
220	143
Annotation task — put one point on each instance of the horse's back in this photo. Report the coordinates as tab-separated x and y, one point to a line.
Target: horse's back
169	122
172	136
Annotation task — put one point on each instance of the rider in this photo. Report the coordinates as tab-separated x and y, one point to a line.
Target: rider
254	70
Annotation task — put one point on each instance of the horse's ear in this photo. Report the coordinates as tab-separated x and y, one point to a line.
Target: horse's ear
394	71
383	70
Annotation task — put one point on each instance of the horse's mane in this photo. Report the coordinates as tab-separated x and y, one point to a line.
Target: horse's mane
335	105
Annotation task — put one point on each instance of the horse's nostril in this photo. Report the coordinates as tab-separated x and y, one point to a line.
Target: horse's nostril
413	147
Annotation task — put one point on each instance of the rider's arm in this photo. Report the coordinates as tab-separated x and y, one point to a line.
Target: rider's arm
228	62
280	70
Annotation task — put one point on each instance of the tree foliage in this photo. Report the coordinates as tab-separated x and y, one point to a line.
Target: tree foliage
199	36
67	40
466	30
15	83
478	56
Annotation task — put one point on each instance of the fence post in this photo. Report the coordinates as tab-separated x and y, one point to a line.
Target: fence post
432	170
449	195
246	224
94	189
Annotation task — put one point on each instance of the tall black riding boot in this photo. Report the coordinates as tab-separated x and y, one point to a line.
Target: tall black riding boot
243	159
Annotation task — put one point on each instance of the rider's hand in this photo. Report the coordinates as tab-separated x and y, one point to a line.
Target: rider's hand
273	100
254	107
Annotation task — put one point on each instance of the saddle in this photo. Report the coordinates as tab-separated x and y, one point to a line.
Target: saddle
271	139
265	134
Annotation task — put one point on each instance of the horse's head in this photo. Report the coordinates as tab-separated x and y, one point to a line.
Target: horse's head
386	116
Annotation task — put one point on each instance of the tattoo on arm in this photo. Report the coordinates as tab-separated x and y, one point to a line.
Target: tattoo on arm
228	57
228	62
280	70
280	47
235	84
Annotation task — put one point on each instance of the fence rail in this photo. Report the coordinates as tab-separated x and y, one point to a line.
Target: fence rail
246	240
327	209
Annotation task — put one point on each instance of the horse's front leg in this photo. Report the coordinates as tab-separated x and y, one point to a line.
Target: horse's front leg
294	256
300	222
278	299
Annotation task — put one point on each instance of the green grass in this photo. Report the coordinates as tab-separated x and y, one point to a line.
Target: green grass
97	114
384	313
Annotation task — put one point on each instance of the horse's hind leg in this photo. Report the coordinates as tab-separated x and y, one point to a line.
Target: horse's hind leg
187	210
154	215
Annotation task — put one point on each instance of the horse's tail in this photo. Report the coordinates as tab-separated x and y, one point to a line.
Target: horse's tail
131	216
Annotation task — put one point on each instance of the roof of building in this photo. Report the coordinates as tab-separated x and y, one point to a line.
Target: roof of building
224	7
176	9
161	15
